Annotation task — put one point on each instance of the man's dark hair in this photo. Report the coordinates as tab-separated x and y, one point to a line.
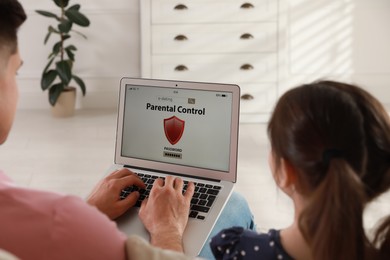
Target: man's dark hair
12	15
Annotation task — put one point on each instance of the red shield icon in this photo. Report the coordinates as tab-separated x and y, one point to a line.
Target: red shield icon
174	128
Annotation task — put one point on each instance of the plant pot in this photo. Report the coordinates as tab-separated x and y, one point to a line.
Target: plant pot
65	104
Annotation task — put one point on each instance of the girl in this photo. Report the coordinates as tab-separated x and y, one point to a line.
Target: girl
330	154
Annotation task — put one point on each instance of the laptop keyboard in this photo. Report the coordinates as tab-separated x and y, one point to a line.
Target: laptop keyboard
201	202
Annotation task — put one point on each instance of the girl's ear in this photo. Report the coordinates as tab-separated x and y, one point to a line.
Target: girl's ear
287	176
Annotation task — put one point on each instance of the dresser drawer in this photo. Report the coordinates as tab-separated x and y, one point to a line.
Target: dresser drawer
206	11
257	98
228	68
214	38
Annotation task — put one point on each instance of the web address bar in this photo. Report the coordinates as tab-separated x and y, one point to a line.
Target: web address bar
175	100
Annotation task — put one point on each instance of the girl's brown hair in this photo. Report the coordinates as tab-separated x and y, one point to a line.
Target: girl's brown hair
337	137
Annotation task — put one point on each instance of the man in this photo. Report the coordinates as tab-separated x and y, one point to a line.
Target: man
42	225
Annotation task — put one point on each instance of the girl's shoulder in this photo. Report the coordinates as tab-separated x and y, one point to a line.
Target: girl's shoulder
239	243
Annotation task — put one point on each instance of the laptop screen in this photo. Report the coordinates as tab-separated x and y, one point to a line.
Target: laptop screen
178	126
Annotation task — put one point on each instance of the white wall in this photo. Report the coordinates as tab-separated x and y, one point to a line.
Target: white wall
338	39
346	40
110	52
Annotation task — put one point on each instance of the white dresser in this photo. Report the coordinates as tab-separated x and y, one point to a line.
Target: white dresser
227	41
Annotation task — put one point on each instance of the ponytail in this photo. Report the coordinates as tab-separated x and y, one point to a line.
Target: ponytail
332	222
327	114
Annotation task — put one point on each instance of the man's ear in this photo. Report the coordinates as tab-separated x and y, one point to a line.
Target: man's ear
287	176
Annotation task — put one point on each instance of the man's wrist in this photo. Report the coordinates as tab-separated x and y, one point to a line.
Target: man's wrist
168	240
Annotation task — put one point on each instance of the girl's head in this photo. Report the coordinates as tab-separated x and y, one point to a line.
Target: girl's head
377	131
310	125
336	138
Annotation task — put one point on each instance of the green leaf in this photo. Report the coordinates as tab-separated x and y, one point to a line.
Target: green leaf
65	37
70	54
54	92
80	82
79	33
76	17
74	7
69	50
48	64
65	26
47	14
64	71
71	47
48	78
52	55
47	37
61	3
70	62
57	47
53	30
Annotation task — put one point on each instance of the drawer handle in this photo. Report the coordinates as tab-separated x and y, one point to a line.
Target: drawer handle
246	36
247	97
181	37
246	67
181	68
180	7
247	6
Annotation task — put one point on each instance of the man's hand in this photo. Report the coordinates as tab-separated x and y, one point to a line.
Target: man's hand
165	212
105	196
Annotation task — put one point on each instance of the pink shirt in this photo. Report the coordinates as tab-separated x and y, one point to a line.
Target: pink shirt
44	225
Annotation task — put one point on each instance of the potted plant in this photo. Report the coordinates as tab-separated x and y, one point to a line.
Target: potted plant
58	72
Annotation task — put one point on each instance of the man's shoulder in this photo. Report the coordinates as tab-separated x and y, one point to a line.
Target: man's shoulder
64	225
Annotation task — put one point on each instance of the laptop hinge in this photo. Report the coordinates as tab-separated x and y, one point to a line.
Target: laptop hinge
171	173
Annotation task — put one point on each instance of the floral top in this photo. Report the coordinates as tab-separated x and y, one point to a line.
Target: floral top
239	243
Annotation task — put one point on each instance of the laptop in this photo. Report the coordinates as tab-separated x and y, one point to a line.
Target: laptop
179	128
